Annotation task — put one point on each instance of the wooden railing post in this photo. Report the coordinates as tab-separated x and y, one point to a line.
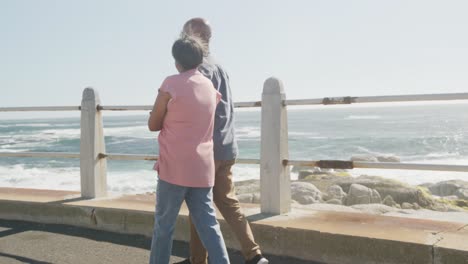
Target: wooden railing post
274	175
93	168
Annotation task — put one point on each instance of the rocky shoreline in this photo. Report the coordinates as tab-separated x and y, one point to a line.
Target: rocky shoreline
365	193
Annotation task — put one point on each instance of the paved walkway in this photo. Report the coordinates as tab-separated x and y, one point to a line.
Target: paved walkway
24	242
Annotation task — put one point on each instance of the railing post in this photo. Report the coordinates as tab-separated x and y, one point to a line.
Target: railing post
274	175
93	168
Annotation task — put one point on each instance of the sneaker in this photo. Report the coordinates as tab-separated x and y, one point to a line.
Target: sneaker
185	261
258	259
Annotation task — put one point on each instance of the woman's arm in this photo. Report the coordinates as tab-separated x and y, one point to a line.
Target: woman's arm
156	119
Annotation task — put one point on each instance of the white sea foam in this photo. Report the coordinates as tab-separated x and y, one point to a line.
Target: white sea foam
140	181
129	131
16	150
144	180
248	132
17	176
59	133
416	177
40	178
364	117
33	125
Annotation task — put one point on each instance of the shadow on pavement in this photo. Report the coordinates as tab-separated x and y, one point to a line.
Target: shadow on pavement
23	259
180	249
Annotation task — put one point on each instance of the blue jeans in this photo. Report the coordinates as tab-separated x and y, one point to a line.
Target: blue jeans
169	198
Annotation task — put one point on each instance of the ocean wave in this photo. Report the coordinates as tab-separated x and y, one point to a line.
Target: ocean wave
121	141
18	176
33	125
16	150
134	131
364	117
51	125
60	133
248	132
38	140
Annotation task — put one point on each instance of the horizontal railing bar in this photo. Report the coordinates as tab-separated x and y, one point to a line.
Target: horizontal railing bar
379	99
118	156
248	161
305	163
65	155
39	108
150	107
384	165
126	107
317	101
248	104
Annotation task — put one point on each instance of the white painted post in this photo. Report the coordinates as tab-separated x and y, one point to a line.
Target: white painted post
93	168
274	175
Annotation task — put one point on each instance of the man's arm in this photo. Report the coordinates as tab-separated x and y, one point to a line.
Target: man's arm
156	119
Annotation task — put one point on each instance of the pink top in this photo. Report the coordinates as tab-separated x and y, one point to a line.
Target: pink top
186	138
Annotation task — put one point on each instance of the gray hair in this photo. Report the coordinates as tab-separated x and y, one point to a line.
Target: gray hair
200	28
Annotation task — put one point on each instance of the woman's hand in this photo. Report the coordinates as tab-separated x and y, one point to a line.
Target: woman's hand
156	119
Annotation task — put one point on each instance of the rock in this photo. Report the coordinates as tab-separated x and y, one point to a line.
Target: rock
322	182
416	206
388	158
444	206
447	188
424	198
388	201
256	198
299	168
304	173
359	194
307	173
441	207
305	193
245	198
461	203
400	192
406	206
462	193
451	197
375	198
374	208
365	158
334	192
249	198
334	201
426	185
248	186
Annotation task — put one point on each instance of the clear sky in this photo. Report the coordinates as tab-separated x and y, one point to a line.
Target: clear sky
51	50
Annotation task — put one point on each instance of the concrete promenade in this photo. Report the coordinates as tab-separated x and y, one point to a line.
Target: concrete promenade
314	236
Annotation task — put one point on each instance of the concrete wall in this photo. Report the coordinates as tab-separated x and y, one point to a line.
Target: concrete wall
329	237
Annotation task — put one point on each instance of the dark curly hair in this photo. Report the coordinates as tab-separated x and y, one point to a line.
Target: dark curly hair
188	52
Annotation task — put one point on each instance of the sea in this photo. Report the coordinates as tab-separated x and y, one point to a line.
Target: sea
417	133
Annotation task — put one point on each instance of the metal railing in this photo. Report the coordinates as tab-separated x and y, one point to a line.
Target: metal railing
274	156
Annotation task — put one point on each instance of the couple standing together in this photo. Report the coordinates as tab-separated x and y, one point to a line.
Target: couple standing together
194	114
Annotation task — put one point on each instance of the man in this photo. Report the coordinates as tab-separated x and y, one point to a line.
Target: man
225	152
